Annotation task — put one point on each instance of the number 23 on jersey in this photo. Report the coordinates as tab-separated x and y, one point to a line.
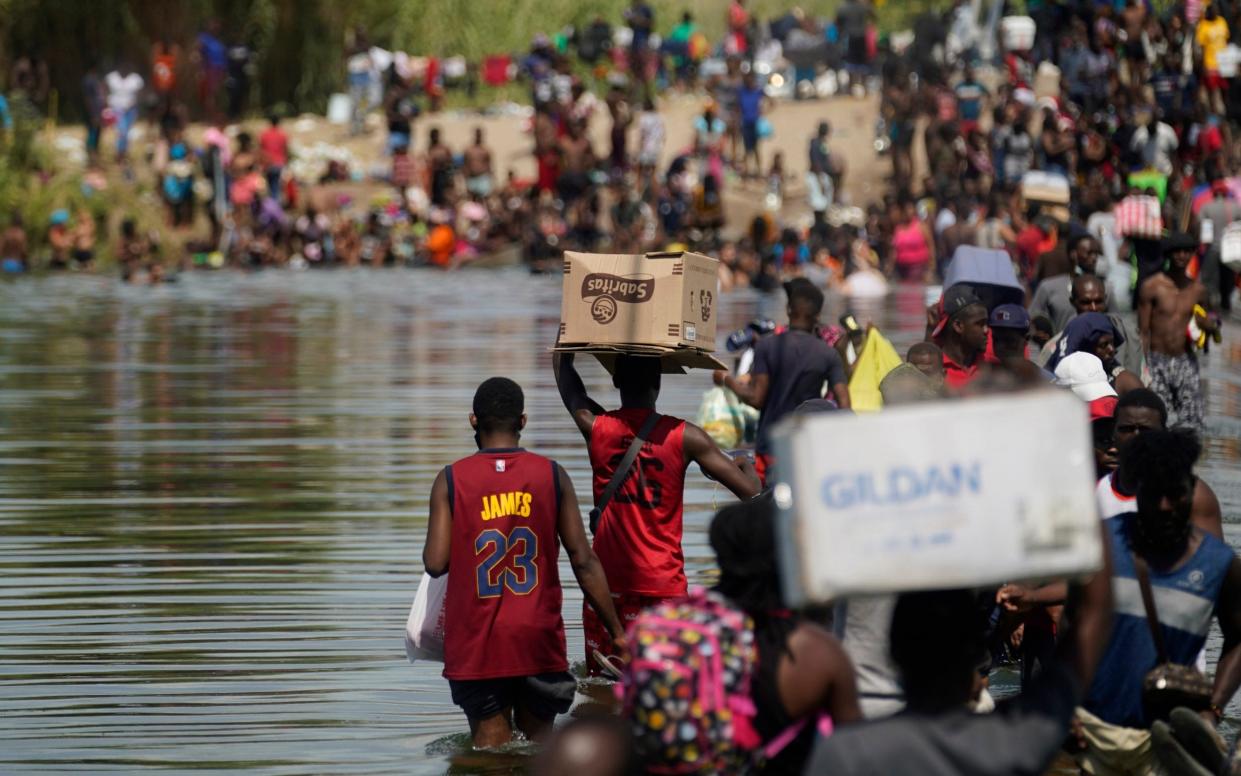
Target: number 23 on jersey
507	560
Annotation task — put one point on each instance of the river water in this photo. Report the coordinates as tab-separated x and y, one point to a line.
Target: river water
213	498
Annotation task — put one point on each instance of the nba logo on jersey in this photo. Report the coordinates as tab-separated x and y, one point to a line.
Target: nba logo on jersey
500	466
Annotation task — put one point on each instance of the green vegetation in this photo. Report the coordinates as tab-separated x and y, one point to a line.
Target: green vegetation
300	45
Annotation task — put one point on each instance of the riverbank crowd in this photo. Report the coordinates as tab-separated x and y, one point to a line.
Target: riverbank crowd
1078	211
239	191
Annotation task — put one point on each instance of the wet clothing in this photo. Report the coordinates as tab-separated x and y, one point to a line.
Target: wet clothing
1176	380
1021	736
638	539
798	365
543	695
502	607
628	606
1185	598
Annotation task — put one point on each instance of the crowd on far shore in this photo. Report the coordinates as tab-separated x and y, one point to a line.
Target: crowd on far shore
239	194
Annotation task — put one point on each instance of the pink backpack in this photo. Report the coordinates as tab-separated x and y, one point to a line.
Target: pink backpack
686	691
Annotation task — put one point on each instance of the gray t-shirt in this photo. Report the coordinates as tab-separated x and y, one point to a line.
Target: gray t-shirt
798	364
1022	736
1052	299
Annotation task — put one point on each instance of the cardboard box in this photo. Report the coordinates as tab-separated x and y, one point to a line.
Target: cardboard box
948	494
674	361
1045	187
665	300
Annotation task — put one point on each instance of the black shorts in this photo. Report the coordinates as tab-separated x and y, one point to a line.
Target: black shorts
543	695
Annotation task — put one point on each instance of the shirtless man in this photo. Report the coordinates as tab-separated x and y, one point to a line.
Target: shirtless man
577	160
477	167
1165	308
439	162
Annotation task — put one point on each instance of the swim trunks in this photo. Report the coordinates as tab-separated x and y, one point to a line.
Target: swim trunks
1176	380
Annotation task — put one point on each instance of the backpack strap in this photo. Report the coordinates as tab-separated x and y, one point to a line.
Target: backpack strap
622	471
1148	603
823	724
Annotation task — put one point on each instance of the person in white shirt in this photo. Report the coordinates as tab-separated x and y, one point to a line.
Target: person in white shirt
1156	141
651	135
124	86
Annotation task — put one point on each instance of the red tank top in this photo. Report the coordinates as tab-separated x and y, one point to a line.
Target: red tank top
502	608
638	540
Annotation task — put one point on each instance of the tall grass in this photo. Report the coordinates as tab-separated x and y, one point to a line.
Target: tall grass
476	28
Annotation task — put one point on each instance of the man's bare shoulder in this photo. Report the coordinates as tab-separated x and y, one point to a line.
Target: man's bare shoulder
1157	283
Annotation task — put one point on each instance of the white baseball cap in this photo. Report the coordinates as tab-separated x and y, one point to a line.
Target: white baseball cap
1083	374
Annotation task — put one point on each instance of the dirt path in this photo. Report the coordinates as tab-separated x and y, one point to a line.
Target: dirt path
793	123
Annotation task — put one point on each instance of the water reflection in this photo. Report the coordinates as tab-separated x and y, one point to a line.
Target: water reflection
212	499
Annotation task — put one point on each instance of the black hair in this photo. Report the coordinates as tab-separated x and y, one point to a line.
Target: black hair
1079	239
634	374
1144	397
1160	464
743	537
924	349
499	405
1042	324
1084	280
1161	459
805	298
938	639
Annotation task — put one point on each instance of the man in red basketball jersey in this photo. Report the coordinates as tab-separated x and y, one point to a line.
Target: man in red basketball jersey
497	521
638	538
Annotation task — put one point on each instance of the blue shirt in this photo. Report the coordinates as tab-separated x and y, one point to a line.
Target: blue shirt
214	51
750	103
969	99
1185	600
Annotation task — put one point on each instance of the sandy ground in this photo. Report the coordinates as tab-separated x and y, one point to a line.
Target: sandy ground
507	133
794	123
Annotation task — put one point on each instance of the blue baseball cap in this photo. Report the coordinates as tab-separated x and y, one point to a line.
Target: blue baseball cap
1009	316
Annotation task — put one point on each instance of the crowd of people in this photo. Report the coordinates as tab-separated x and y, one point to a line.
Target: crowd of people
239	194
1125	116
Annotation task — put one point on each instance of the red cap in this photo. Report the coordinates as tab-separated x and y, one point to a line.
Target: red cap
1220	186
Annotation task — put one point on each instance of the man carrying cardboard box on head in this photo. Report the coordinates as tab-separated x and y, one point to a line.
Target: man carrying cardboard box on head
790	368
638	535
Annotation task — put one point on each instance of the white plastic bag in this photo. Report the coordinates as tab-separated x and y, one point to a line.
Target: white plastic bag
1230	246
424	629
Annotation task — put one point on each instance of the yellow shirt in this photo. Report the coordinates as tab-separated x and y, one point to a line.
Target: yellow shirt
1212	37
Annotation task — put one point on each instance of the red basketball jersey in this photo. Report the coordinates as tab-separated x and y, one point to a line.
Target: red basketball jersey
502	609
638	540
